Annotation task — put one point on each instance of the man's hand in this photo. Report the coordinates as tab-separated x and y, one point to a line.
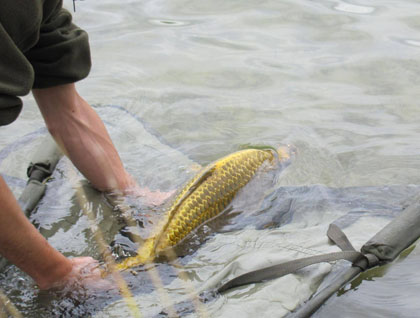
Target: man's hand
85	273
82	136
24	246
149	197
80	133
155	197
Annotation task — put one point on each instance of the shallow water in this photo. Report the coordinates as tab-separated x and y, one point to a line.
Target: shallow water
182	82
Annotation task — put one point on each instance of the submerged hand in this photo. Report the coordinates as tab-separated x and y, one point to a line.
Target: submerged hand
85	273
149	197
152	197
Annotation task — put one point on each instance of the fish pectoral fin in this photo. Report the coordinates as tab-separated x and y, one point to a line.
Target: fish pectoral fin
202	177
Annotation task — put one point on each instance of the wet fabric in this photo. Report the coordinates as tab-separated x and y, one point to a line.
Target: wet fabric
40	48
335	234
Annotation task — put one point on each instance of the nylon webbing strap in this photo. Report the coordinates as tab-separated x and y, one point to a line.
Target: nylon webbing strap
335	234
340	239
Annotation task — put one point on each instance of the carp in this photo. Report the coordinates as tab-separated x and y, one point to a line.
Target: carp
203	198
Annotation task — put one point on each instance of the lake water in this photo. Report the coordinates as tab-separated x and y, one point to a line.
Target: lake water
180	83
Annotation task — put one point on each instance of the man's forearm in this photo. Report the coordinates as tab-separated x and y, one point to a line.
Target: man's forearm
83	137
24	246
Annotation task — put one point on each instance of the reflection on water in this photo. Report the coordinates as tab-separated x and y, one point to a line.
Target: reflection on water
352	8
184	82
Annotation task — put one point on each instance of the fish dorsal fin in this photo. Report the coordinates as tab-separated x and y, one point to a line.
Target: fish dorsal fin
199	179
187	190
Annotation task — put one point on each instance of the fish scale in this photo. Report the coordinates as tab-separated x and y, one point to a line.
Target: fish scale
204	197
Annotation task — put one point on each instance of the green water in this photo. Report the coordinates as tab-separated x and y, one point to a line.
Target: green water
181	82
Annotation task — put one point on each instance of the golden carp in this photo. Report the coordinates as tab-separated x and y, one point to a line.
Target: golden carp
204	197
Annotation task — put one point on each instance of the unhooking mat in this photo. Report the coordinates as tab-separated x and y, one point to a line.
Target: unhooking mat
286	223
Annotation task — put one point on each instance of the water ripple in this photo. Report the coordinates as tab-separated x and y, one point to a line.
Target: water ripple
168	22
410	42
353	8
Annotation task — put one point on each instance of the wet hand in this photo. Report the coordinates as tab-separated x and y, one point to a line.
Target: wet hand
149	197
153	198
85	274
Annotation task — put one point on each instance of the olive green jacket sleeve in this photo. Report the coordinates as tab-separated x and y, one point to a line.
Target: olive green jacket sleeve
40	48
